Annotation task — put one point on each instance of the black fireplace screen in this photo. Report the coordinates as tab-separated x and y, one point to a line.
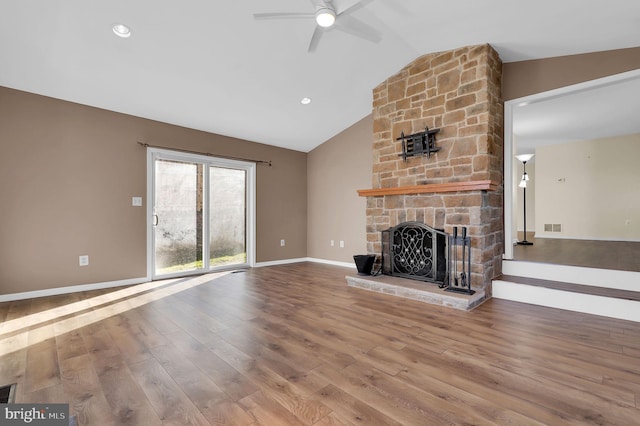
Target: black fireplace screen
415	250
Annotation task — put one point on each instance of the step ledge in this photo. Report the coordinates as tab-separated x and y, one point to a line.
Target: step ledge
574	288
623	309
606	278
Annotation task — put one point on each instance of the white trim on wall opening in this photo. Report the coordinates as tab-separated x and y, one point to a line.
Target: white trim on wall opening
510	175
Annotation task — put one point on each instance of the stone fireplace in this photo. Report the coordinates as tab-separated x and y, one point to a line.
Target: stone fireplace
458	92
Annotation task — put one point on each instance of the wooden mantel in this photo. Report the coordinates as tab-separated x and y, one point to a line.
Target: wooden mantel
433	188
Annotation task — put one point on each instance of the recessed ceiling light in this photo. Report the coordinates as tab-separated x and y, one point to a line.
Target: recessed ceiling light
121	30
305	101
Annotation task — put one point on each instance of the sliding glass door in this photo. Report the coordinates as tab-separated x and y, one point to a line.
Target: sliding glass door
227	216
177	216
201	213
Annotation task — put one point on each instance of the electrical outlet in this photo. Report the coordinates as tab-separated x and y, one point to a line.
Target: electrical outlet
136	201
281	243
83	260
341	244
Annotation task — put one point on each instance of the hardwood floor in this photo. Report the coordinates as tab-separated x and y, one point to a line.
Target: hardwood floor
617	255
292	344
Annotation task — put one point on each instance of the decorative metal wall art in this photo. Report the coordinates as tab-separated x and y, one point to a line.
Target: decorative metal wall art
419	143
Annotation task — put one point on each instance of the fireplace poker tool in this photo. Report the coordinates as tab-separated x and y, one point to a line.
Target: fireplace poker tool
461	284
463	275
455	256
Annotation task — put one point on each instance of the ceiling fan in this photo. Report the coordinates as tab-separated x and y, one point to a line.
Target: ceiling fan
328	17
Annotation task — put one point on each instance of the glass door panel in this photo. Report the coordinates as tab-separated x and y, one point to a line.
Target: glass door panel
227	216
178	220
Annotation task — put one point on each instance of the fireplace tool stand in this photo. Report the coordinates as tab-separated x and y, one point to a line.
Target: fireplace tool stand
459	282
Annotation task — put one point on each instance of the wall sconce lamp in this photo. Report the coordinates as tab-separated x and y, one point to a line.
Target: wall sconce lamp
523	184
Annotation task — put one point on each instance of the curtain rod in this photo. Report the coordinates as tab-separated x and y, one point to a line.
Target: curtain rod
146	145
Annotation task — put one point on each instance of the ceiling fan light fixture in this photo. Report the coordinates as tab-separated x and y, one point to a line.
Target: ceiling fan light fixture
121	30
325	17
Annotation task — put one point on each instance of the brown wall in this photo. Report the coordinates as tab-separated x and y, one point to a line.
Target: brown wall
67	175
528	77
68	172
336	169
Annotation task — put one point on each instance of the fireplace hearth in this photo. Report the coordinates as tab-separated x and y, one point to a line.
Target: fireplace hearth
419	252
414	255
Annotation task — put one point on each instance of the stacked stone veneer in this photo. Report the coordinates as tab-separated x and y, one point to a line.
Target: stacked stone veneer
459	92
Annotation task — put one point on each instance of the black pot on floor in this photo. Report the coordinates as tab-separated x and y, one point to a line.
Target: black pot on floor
364	263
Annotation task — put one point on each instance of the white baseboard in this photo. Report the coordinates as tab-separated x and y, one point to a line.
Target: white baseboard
560	236
70	289
351	265
305	259
280	262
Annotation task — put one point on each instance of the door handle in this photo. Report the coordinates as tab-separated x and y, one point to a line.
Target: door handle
155	220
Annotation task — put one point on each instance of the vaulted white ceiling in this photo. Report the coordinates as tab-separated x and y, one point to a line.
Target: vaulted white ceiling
209	65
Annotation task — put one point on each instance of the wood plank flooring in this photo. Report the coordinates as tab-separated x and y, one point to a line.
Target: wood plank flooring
293	345
616	255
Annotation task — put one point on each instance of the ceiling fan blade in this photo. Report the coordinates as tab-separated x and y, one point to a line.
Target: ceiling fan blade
315	39
357	28
283	15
